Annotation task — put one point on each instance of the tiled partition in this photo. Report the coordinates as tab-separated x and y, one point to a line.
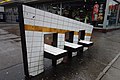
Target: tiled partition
34	43
36	24
61	39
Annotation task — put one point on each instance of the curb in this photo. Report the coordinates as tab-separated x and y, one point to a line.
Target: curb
107	68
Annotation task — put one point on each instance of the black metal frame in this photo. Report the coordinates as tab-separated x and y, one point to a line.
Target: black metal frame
23	40
55	39
54	57
82	37
70	36
69	49
85	45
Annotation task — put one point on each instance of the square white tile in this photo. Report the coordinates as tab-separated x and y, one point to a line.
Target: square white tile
40	12
34	59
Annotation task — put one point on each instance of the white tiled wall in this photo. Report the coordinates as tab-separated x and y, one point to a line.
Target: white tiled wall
35	39
34	42
61	40
42	18
75	39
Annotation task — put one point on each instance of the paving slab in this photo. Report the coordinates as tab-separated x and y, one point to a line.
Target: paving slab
10	54
12	73
8	36
2	32
112	74
117	63
84	68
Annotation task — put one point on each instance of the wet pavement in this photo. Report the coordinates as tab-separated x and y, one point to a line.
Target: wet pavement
11	64
86	67
112	71
106	47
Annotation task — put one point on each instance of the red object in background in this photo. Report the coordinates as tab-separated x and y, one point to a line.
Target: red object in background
113	7
95	12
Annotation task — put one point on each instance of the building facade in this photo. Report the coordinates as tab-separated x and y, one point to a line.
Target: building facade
100	13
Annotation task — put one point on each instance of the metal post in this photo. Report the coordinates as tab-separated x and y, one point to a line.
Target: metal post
106	14
23	40
118	14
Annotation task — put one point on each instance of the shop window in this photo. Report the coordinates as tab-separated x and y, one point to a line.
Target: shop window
113	13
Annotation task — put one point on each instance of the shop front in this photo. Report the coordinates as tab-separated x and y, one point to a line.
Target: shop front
11	12
2	14
87	11
99	13
112	14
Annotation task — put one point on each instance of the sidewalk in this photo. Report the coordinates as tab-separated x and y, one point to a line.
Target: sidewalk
94	61
11	64
112	71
